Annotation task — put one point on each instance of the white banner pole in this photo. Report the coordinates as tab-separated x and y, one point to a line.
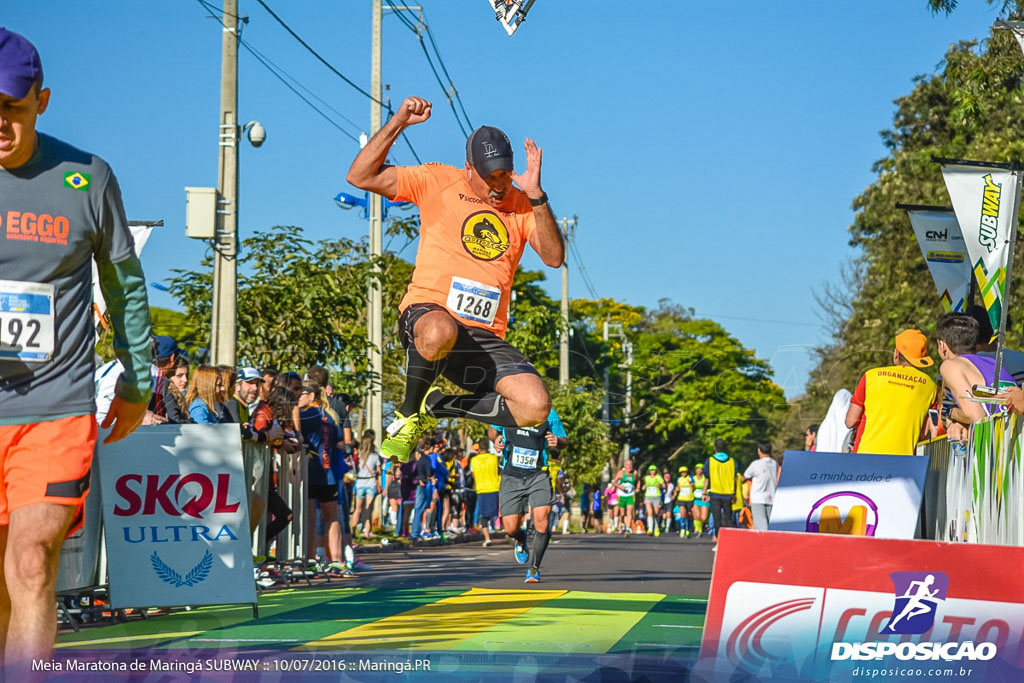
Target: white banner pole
1005	311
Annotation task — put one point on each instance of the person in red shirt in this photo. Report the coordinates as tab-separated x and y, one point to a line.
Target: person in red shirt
474	226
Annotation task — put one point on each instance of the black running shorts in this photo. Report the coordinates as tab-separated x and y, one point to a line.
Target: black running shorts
479	358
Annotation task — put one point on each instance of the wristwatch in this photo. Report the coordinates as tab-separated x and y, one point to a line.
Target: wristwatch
539	201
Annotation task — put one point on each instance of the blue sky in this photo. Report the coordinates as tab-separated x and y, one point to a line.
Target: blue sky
710	155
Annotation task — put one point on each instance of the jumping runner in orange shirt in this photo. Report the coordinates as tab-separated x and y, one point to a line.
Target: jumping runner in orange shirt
474	226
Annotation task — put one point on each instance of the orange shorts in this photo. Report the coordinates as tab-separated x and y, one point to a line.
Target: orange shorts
46	462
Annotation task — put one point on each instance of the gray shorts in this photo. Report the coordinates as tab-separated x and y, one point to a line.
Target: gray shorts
518	494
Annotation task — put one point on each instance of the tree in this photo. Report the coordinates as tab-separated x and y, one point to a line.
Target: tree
694	383
299	302
578	405
165	322
971	108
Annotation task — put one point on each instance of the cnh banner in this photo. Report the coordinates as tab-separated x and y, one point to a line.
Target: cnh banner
985	199
852	494
816	607
176	517
942	245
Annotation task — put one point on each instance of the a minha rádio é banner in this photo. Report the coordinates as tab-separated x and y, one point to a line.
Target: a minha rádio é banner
176	517
854	494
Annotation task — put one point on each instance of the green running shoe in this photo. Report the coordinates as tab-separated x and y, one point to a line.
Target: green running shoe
404	432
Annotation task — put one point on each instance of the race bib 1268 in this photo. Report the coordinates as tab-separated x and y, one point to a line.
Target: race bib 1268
26	321
473	300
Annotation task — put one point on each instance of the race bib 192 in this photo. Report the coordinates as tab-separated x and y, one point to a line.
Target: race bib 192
26	321
473	300
525	458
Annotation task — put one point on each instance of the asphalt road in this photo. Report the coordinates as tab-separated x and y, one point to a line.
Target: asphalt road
591	562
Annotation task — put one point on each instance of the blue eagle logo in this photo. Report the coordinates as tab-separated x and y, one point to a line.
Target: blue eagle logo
195	575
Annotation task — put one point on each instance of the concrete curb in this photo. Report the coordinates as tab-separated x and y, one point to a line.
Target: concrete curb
405	544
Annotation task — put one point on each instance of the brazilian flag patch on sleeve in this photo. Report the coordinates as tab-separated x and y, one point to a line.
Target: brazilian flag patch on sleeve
77	180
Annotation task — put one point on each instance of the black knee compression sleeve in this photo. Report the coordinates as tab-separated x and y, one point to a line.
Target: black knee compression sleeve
490	408
420	374
540	544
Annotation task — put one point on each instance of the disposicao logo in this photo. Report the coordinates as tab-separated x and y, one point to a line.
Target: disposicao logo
918	595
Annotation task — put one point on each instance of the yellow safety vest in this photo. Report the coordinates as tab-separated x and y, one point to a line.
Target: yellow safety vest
722	476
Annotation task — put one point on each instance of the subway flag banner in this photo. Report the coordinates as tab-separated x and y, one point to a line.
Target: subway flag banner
176	517
942	244
816	607
984	198
849	494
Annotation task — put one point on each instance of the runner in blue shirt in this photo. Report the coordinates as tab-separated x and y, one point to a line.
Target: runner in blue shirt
526	485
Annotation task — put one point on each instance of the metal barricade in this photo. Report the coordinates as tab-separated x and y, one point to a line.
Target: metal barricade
257	460
291	486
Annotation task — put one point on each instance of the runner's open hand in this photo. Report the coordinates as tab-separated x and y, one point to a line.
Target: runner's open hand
551	439
412	111
529	181
124	417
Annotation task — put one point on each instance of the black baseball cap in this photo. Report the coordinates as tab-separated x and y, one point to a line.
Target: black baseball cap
488	150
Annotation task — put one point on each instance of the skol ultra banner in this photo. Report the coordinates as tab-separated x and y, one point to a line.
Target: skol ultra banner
942	244
176	517
983	198
813	607
849	494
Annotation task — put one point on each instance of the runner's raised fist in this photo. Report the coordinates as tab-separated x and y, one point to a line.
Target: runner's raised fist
413	110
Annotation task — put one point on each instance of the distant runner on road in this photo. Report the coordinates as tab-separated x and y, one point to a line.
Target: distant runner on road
626	484
526	485
474	226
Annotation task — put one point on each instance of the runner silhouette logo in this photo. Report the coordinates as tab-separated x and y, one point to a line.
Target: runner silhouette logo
918	595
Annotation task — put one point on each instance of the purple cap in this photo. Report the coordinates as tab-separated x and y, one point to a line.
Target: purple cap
20	65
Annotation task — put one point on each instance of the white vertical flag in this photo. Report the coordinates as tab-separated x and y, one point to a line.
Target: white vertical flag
983	198
942	244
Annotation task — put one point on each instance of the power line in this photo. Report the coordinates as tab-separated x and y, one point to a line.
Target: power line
578	258
288	85
317	54
415	28
262	59
335	71
299	83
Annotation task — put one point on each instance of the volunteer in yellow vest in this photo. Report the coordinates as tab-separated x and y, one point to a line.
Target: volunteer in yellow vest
700	501
652	499
721	470
684	499
890	406
487	480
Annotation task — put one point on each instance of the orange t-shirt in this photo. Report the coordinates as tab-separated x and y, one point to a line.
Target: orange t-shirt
469	250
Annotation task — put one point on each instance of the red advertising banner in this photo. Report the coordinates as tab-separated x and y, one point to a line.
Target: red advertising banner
817	607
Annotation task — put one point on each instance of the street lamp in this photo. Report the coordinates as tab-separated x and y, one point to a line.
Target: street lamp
347	201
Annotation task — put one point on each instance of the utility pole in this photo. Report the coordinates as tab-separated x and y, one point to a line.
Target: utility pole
628	409
223	334
374	313
568	228
605	410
